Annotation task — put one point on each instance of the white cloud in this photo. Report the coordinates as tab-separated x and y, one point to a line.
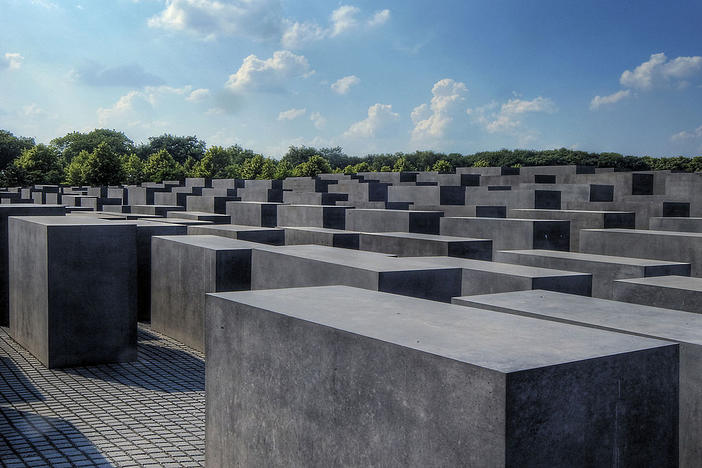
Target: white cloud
343	85
291	114
198	95
11	61
33	110
318	120
598	101
379	117
136	107
269	74
432	120
297	35
254	19
379	18
508	117
344	19
658	71
688	135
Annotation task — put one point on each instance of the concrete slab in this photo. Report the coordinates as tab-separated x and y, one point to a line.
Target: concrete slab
325	216
214	218
511	233
253	213
409	244
658	223
383	380
672	292
370	220
322	236
159	210
271	236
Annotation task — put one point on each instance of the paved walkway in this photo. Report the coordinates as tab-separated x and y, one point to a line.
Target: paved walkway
147	413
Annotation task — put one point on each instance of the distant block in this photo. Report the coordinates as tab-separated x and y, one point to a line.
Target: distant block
253	213
270	236
678	224
393	381
183	269
547	199
676	209
369	220
322	236
73	289
408	244
214	218
601	193
511	233
158	210
671	292
325	216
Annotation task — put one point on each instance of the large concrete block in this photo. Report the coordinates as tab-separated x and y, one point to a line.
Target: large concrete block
511	233
253	213
271	236
672	292
483	277
338	376
332	217
209	203
641	320
16	209
322	236
158	210
681	224
604	268
368	220
183	269
409	244
73	289
315	265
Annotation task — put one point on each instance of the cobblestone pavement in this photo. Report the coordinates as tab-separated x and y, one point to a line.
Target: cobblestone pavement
147	413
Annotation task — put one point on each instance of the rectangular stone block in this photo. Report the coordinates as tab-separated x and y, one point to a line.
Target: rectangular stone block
658	223
511	233
253	213
368	220
672	292
325	216
409	244
315	265
158	210
213	218
604	268
322	236
210	204
73	289
338	376
271	236
183	269
640	320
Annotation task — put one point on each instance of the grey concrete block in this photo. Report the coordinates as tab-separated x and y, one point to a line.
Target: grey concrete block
73	289
315	265
253	213
210	204
271	236
672	292
511	233
604	268
657	223
158	210
368	220
183	269
332	217
641	320
344	377
322	236
408	244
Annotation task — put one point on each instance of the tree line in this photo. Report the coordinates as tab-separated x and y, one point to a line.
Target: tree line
109	157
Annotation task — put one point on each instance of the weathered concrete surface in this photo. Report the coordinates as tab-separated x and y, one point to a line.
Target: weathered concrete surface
159	210
183	269
675	224
409	244
73	289
253	213
271	236
338	376
369	220
322	236
324	216
641	320
511	233
214	218
315	265
481	277
672	292
16	209
604	268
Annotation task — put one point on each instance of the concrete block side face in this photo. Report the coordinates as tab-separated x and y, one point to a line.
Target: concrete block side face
263	237
642	184
269	215
547	199
690	404
551	235
233	270
425	223
667	270
619	220
28	288
436	285
575	284
346	241
95	323
452	195
476	250
676	209
491	211
485	282
285	392
333	218
621	410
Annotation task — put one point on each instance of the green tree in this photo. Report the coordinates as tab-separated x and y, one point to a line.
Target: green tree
297	155
283	170
313	167
179	147
214	163
386	169
11	147
349	170
361	167
481	163
132	169
103	167
75	171
401	165
72	144
41	165
161	166
252	167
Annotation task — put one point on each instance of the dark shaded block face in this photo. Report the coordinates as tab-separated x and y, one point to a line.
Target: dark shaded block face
580	285
552	235
377	191
642	184
346	241
496	188
275	195
667	270
584	169
490	211
509	171
601	193
544	179
427	184
334	218
476	250
676	209
620	220
424	223
547	199
397	205
269	215
435	285
263	237
408	177
470	180
450	195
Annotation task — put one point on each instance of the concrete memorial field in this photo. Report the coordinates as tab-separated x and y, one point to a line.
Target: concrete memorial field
508	317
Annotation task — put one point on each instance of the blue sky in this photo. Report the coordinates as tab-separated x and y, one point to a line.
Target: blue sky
370	76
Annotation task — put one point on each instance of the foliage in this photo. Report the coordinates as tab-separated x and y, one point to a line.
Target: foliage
283	169
349	170
258	167
11	147
40	164
161	166
70	145
179	147
74	174
443	167
132	169
312	167
401	165
481	163
386	169
297	155
361	167
214	163
103	167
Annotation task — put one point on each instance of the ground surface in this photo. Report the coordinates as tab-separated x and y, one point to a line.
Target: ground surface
147	413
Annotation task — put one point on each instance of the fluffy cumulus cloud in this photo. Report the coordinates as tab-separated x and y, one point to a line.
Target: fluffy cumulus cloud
688	135
137	107
254	19
269	74
291	114
598	101
379	18
343	85
198	95
318	120
432	120
509	116
131	76
380	117
11	61
659	71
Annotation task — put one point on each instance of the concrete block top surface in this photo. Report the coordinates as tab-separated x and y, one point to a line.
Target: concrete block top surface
603	212
654	322
508	220
387	210
15	206
318	206
646	232
319	229
419	236
643	262
67	220
500	342
239	228
237	202
189	222
493	267
212	242
684	283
